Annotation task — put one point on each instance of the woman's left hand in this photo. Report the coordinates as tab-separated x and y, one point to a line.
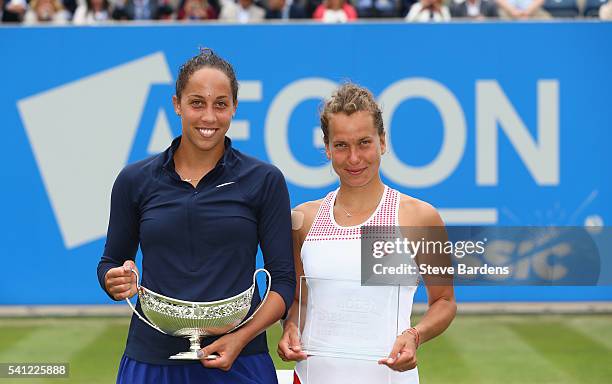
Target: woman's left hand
227	348
403	355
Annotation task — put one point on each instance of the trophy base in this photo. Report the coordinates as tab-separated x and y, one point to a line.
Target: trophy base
191	355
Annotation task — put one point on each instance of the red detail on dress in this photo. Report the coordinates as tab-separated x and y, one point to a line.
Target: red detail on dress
323	229
296	379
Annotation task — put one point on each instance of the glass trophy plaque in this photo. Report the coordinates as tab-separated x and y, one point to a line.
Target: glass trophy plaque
341	318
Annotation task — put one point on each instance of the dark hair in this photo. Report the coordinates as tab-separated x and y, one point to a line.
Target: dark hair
348	99
206	58
105	5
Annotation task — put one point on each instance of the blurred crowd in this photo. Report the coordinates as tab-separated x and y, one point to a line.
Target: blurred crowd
87	12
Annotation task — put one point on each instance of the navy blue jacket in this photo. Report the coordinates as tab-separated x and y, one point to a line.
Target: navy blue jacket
199	244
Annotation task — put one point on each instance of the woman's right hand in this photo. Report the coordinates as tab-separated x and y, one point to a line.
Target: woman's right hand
120	282
289	346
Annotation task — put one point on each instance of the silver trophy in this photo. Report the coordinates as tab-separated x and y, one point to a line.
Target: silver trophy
195	320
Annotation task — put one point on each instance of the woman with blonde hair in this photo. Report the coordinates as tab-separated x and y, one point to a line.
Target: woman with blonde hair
46	11
327	236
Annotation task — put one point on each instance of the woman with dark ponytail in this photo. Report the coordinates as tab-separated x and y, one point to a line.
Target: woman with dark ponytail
199	211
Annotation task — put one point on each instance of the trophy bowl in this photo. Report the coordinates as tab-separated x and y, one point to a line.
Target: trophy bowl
195	320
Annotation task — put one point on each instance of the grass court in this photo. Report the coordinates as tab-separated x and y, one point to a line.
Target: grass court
476	349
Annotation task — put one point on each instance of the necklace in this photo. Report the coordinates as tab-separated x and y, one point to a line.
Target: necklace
348	214
189	180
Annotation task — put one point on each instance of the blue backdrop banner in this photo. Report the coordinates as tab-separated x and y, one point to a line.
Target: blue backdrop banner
494	124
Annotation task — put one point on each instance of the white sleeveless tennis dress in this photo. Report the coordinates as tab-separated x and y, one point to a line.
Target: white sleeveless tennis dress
334	252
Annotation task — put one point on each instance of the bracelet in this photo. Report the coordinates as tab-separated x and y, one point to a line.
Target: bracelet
414	332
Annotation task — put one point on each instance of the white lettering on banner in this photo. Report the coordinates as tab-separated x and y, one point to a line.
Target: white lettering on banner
453	143
317	137
81	134
249	91
553	271
162	134
541	157
473	216
492	107
500	252
83	217
276	133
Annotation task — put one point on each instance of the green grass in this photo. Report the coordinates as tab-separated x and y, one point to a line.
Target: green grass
476	349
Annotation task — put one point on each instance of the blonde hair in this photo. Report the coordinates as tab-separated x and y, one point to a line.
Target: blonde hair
348	99
57	5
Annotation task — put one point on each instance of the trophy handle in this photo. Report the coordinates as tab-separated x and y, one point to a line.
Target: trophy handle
262	301
134	309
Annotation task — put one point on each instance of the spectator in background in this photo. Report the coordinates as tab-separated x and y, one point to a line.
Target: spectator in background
166	10
136	10
605	11
473	9
13	10
404	7
284	10
428	10
46	11
92	12
245	11
70	6
118	10
377	8
196	10
522	9
335	11
310	6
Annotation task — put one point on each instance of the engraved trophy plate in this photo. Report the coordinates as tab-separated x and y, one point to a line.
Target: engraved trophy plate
195	320
341	318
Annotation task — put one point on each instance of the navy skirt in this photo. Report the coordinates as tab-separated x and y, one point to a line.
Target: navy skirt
252	369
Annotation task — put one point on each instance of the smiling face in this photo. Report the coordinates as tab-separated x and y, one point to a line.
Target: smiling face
355	148
206	107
